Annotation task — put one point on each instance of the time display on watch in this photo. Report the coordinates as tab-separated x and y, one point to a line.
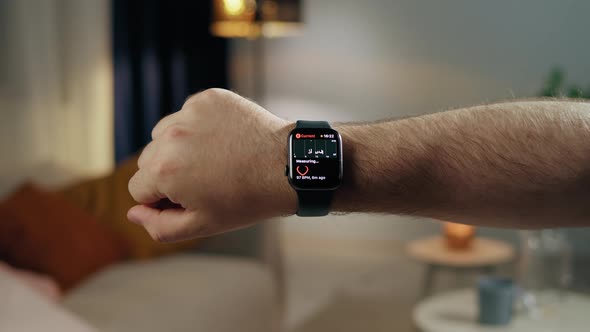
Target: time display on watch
315	158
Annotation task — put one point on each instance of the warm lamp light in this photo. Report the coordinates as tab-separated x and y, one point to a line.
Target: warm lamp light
234	7
458	236
256	18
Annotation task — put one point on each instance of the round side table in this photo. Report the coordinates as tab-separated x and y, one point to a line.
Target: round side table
485	255
456	311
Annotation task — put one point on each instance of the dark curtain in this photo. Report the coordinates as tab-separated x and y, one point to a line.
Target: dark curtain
163	52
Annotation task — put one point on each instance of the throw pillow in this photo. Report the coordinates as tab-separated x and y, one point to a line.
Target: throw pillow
45	233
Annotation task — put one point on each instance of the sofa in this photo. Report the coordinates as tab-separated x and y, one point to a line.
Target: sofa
231	282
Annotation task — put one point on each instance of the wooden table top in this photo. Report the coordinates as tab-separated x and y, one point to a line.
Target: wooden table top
483	252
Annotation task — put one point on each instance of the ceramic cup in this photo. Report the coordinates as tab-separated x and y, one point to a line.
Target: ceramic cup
496	300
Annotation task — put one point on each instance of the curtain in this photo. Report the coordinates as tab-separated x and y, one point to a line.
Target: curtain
163	52
56	85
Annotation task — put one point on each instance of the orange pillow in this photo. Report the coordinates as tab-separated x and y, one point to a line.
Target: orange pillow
108	199
44	232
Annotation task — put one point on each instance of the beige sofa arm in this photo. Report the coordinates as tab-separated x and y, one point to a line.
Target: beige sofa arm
261	242
22	309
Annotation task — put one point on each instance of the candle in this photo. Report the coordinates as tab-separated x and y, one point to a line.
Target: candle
458	236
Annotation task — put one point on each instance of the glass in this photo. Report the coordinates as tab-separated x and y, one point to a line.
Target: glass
545	269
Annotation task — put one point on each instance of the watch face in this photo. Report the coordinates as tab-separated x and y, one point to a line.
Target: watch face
315	158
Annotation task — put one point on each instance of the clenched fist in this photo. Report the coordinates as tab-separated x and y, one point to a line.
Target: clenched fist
215	165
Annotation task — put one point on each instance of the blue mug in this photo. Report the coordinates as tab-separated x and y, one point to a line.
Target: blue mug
496	300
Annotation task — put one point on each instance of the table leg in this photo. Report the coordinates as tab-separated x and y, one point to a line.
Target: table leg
428	281
489	270
460	277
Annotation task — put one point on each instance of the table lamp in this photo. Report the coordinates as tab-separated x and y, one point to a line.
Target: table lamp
458	236
256	18
253	19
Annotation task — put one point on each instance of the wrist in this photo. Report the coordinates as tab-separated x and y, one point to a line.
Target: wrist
349	194
285	198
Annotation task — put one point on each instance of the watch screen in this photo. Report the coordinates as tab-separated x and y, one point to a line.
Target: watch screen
315	158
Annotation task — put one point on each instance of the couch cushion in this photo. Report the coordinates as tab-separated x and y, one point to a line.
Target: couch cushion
23	309
187	292
42	284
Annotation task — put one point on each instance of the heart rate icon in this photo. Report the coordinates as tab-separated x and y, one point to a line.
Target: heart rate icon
304	172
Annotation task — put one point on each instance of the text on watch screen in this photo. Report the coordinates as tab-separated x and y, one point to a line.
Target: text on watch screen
315	160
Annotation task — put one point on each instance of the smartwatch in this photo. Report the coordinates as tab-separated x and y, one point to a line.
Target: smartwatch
315	166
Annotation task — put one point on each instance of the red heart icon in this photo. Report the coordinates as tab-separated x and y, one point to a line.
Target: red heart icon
302	173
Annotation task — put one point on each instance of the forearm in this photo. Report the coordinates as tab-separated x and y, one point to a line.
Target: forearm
521	164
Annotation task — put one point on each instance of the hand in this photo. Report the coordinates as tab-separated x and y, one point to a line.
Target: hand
220	161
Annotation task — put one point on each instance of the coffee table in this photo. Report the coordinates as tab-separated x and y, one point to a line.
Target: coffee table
456	311
485	255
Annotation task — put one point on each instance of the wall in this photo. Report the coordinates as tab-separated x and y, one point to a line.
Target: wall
367	60
55	85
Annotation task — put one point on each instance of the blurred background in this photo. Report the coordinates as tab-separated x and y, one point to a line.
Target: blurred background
82	83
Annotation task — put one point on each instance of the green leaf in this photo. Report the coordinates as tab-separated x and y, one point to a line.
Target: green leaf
575	91
554	83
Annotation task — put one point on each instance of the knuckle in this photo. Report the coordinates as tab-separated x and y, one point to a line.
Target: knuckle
162	124
192	98
175	131
141	160
165	168
209	96
154	133
131	186
211	93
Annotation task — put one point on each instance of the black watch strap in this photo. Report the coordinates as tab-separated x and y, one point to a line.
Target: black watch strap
313	203
312	124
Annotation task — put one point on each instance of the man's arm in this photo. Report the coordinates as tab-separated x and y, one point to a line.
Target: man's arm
518	164
221	159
